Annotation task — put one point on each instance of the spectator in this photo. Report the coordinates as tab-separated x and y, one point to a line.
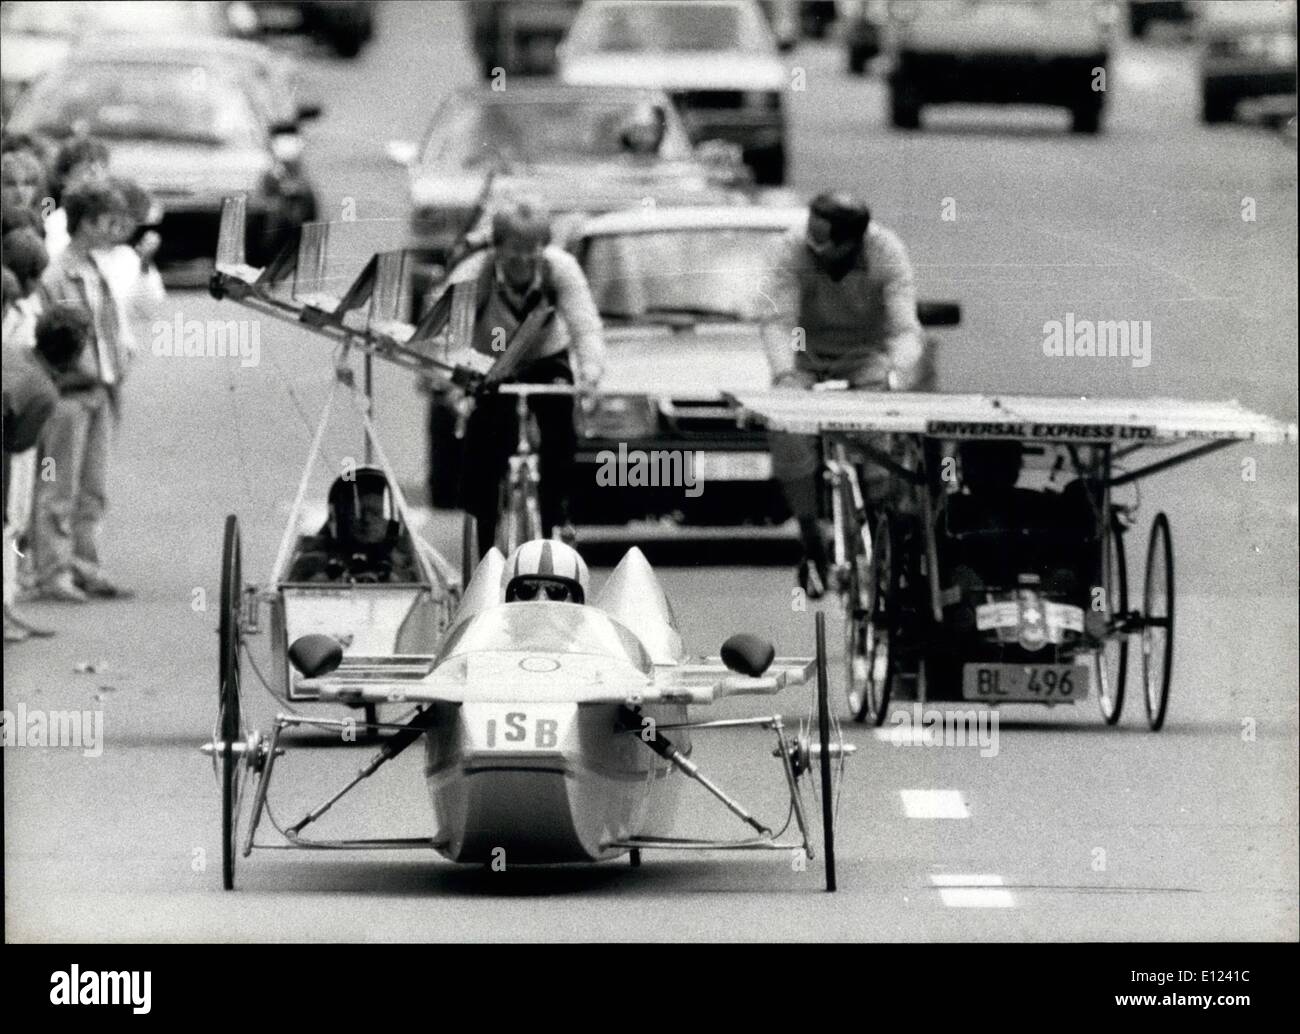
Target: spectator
25	256
80	158
129	266
30	398
22	180
70	508
12	218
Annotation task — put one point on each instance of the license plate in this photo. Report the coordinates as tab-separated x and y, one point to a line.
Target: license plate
736	466
1025	683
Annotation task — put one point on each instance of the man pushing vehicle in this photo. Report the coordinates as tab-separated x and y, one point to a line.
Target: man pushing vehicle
843	307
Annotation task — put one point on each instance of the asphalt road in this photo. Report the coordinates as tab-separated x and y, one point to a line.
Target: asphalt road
1071	831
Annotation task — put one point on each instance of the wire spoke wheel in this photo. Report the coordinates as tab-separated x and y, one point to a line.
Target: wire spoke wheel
857	600
824	733
229	720
1112	660
1158	622
871	663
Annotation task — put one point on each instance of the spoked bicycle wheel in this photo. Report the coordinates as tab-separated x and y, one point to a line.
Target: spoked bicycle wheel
229	720
1158	622
871	630
1112	659
828	747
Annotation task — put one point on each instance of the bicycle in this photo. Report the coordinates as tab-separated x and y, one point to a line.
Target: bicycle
873	568
519	515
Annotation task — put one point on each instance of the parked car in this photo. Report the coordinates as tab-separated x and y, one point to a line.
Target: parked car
189	147
560	144
1248	50
1000	52
717	59
36	36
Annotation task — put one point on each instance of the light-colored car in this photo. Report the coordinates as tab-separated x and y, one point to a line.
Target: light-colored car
1248	51
560	144
36	36
1051	52
189	148
680	294
717	59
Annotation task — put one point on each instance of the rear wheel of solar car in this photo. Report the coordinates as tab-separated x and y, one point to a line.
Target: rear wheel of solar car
229	724
1112	658
1158	622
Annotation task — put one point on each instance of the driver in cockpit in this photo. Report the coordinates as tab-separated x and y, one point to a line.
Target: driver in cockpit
546	570
360	541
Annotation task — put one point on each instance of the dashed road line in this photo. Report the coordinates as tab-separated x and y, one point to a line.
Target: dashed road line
934	804
980	890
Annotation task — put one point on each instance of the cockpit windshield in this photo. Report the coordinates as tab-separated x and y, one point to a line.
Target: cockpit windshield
547	628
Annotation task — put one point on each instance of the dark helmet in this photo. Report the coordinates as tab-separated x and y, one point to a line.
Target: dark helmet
345	500
848	217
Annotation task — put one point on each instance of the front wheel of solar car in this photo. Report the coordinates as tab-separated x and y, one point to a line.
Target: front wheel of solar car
1158	622
229	725
1112	658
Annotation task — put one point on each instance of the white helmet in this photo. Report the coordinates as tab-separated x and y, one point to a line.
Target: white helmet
546	569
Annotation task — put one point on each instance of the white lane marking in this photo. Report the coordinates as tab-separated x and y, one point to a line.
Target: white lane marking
934	804
979	890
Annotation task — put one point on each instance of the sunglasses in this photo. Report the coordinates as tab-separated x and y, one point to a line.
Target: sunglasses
554	591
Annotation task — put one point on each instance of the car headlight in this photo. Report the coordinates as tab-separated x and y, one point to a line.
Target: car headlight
622	417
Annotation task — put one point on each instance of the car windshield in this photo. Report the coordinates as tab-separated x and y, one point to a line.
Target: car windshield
715	272
547	628
630	28
476	133
140	102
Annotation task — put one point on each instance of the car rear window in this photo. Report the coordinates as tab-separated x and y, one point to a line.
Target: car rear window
716	271
473	134
669	26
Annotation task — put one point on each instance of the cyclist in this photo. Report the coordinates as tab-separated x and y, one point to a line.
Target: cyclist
546	570
359	541
843	307
526	303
